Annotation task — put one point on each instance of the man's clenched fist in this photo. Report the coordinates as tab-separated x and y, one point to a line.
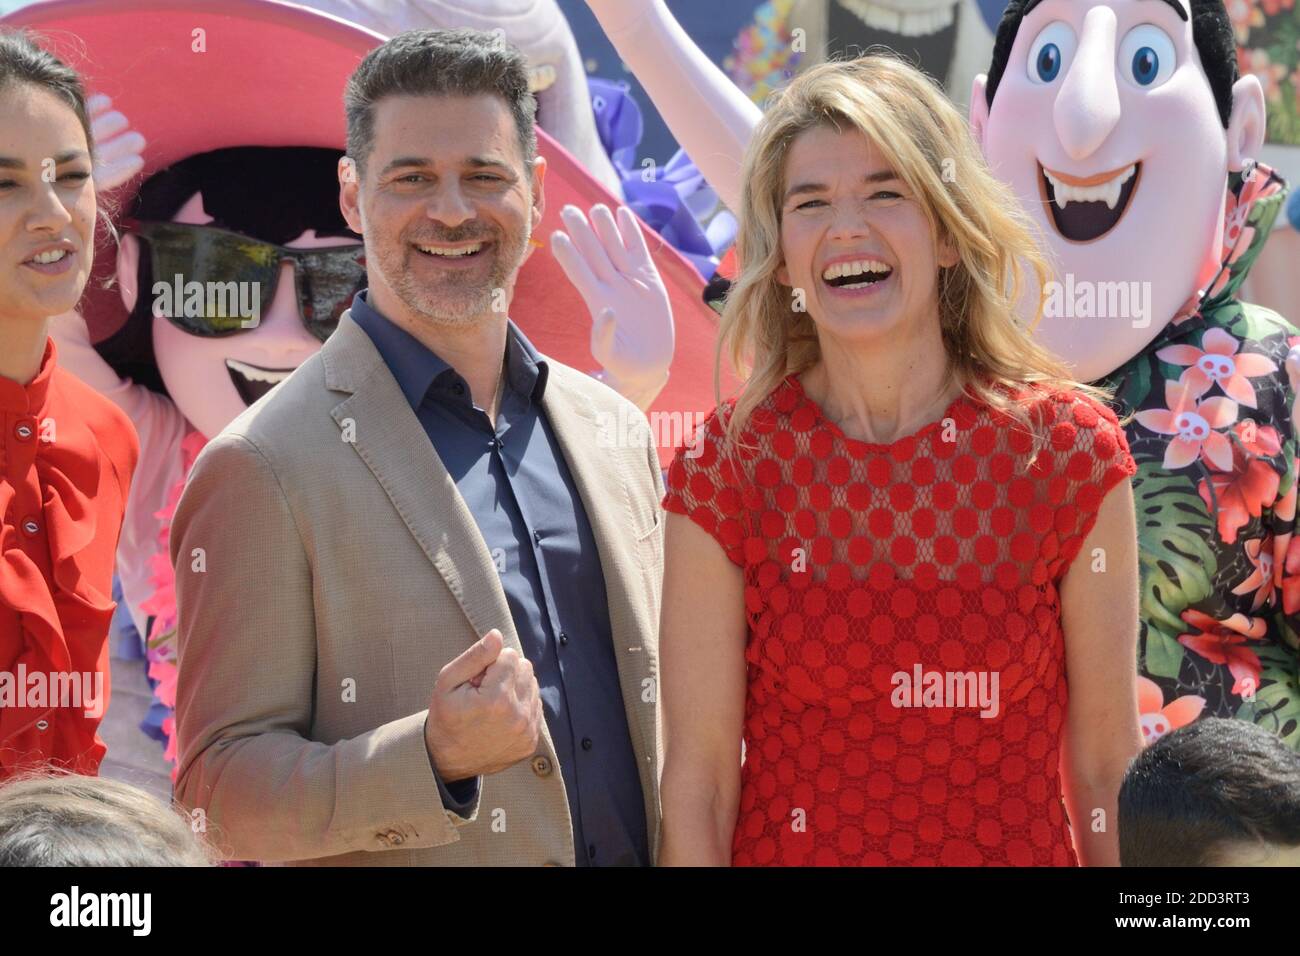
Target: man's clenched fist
485	714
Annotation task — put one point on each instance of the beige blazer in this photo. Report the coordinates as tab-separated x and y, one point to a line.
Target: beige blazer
327	568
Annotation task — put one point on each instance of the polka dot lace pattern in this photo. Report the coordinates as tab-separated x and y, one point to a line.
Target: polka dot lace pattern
944	551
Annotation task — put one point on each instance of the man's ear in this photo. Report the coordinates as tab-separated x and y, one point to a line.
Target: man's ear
539	192
349	193
1246	125
128	269
979	110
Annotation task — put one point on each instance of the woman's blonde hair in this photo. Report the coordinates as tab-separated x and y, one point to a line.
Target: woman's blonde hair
927	142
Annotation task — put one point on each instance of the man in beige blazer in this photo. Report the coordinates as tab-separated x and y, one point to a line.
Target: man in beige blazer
440	647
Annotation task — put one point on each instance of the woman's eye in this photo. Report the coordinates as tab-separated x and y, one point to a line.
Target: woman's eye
811	203
887	194
78	176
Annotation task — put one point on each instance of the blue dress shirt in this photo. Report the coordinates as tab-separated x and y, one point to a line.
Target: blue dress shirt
514	479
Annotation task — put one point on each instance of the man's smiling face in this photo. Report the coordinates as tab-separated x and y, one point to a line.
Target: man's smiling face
1105	125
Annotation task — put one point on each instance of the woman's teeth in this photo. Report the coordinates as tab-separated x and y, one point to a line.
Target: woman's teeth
451	252
49	258
842	275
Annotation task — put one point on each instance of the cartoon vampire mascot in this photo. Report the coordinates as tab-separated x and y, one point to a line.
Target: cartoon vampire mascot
1124	128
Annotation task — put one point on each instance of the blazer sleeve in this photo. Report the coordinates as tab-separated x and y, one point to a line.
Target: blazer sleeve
245	694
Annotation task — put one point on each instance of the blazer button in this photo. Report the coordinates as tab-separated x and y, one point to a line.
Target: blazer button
541	766
30	526
390	838
42	725
23	431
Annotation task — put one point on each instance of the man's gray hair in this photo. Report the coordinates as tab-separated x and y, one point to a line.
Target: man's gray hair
439	62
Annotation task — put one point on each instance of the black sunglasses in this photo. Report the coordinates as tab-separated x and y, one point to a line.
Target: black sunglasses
325	279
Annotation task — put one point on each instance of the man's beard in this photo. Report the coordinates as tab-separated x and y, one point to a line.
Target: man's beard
459	301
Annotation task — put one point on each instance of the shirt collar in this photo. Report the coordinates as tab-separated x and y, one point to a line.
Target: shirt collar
416	367
30	398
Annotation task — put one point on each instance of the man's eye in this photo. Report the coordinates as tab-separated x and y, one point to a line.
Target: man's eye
412	178
487	177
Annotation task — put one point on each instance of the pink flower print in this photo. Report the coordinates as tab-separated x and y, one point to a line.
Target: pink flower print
1218	361
1223	642
1193	424
1157	718
1260	580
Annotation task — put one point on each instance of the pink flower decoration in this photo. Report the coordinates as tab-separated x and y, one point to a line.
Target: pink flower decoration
1193	424
1218	361
1157	718
1260	580
1223	642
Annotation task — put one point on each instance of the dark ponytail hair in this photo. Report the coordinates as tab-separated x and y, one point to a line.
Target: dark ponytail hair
22	61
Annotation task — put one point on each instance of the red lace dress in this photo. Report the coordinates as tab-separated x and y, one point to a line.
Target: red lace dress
937	556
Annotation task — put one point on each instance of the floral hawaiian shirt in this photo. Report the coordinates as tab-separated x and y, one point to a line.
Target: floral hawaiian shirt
1209	410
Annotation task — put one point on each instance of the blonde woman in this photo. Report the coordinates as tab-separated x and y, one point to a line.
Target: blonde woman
885	553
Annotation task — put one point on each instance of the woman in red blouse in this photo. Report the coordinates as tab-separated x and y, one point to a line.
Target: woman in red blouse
66	454
886	552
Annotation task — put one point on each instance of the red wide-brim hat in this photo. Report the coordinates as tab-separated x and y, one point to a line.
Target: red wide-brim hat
269	73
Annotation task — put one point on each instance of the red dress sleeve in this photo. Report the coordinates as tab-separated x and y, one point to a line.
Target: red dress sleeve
705	483
1087	455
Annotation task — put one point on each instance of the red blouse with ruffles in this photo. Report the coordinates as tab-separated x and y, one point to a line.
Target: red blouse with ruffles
870	568
66	459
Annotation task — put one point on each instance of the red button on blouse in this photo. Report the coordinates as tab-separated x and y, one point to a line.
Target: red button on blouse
66	459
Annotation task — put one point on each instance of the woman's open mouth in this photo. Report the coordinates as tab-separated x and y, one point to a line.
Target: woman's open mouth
856	277
52	262
1086	208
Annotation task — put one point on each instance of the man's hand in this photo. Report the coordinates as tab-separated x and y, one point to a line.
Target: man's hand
632	319
485	714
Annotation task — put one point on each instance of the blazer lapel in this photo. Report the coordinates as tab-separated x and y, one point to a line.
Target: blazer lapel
598	470
391	441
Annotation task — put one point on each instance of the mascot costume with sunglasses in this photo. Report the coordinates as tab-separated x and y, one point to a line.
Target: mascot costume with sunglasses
222	127
1127	132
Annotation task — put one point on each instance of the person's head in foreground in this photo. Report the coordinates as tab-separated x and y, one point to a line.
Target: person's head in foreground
1214	793
74	820
870	221
442	176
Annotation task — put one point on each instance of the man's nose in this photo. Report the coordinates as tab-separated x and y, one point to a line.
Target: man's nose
1087	108
449	206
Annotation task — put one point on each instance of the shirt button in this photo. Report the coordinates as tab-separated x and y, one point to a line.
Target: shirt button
591	851
30	526
23	431
586	743
541	766
564	639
